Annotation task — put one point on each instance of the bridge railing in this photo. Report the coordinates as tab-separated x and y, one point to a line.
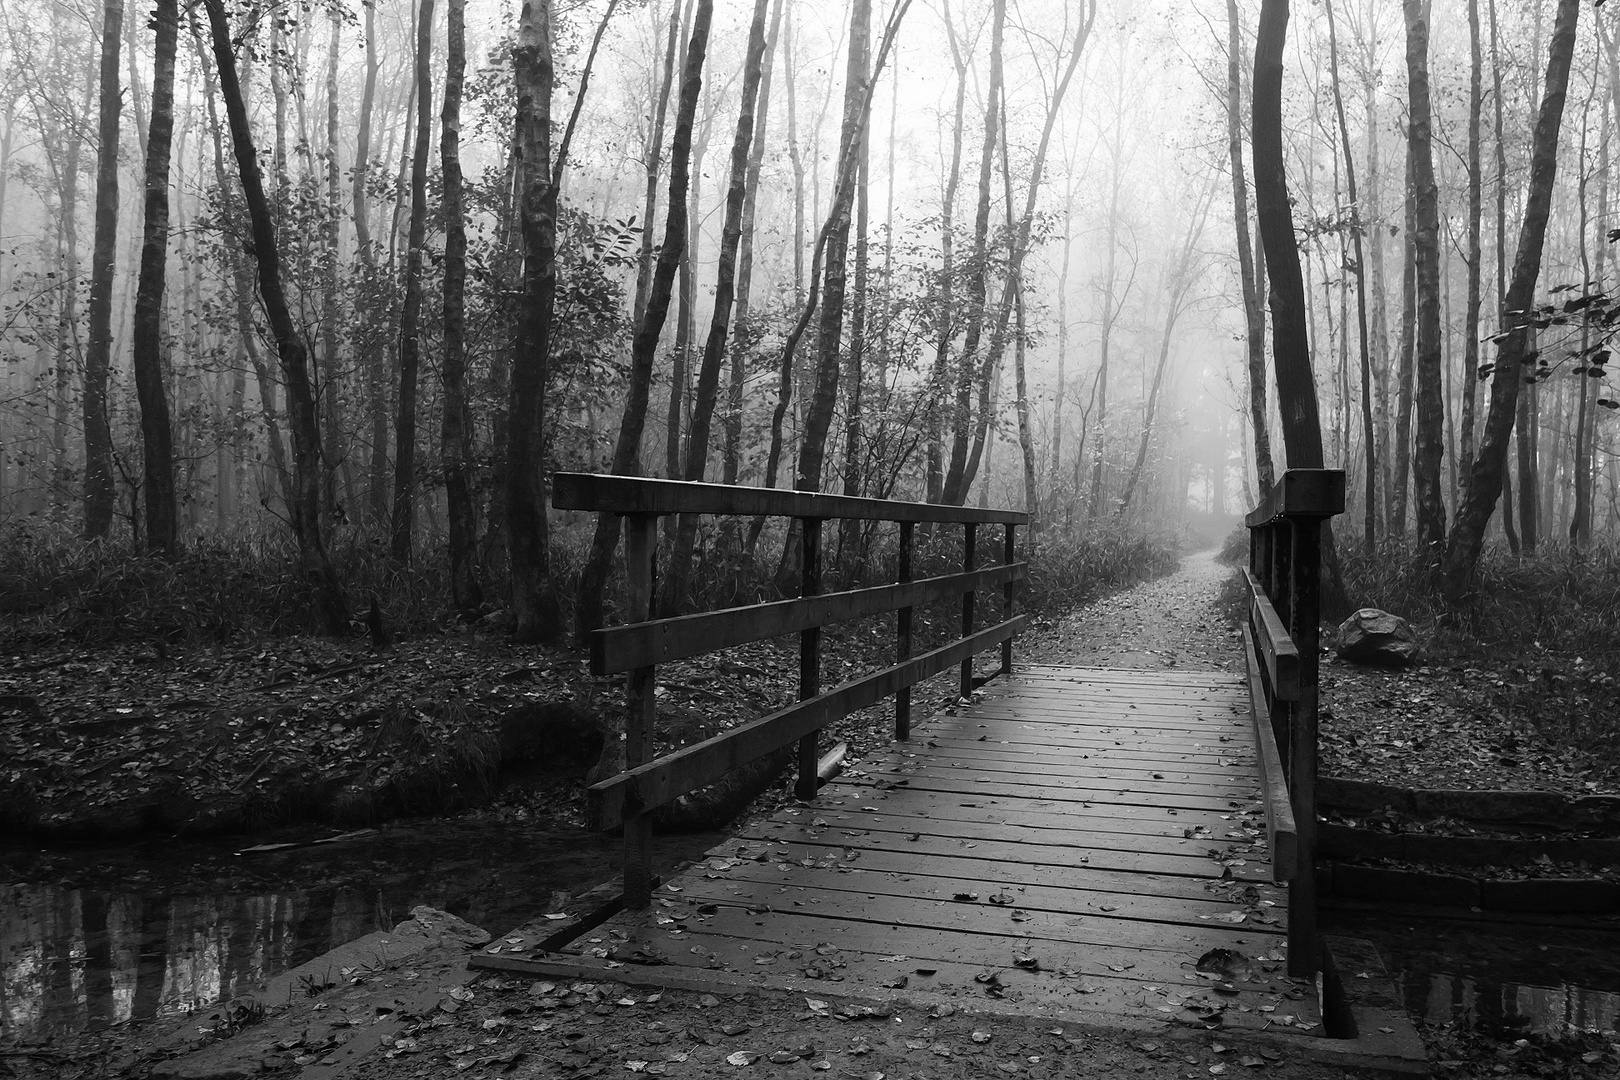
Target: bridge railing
651	780
1281	640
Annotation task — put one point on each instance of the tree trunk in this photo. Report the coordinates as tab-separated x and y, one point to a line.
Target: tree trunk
945	316
1296	390
653	149
455	426
1471	317
1431	405
844	179
955	491
742	332
829	335
644	347
330	394
1254	306
304	510
1369	462
410	339
535	612
1403	390
1485	476
156	437
714	347
98	464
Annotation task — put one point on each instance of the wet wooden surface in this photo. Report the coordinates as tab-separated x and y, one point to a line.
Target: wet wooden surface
1080	838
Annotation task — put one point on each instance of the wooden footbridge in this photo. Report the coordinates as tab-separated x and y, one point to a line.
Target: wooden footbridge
1127	842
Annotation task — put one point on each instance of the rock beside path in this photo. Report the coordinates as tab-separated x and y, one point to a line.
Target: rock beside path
1375	637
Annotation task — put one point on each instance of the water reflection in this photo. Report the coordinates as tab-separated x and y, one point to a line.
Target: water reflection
74	959
1507	1007
161	929
1503	975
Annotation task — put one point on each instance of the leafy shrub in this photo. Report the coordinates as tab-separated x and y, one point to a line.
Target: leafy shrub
1067	569
1235	548
214	590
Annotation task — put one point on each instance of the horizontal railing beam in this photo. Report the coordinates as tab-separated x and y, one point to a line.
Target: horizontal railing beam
625	648
1301	493
1276	648
1282	839
662	781
644	495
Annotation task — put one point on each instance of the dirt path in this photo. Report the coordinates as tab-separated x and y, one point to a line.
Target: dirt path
1174	621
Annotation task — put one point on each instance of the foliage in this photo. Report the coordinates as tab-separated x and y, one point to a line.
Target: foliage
1541	629
1067	568
215	591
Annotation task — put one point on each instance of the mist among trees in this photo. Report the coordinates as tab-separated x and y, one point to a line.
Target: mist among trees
347	280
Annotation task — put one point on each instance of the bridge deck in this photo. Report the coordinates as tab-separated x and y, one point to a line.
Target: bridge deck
1085	839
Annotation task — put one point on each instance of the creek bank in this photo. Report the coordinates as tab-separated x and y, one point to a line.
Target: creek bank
1509	851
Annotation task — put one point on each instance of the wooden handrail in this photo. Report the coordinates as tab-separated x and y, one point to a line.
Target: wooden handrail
644	495
650	781
621	648
691	767
1276	648
1281	642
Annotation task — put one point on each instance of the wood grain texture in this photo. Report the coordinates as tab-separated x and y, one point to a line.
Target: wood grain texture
1084	861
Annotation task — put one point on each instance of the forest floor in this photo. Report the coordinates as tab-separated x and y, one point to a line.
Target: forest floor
218	726
108	740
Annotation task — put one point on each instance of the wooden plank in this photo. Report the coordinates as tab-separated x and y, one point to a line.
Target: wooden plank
624	648
972	932
1155	676
1314	493
922	776
868	863
1041	755
906	862
1281	837
952	780
643	495
1072	825
1107	858
814	888
1276	647
1032	829
1083	765
692	767
1168	820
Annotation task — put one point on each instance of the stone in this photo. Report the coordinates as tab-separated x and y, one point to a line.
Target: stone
1375	637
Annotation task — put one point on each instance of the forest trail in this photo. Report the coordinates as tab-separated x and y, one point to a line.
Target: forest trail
1171	622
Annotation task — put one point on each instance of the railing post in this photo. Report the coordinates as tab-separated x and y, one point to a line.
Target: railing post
1008	548
968	535
640	556
1304	946
902	644
809	655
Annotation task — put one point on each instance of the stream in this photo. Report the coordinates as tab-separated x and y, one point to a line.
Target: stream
91	937
1509	978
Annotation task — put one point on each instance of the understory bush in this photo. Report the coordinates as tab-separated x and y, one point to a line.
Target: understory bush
1544	629
1067	568
1558	601
213	590
219	590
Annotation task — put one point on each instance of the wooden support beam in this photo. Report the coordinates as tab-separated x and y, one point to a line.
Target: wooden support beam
640	554
809	655
902	644
969	536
